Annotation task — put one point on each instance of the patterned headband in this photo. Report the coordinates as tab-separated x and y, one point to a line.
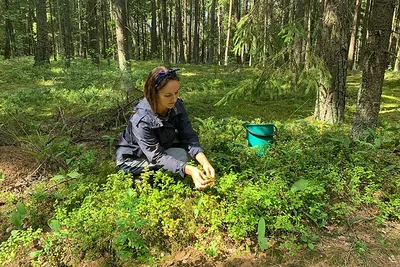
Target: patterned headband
163	74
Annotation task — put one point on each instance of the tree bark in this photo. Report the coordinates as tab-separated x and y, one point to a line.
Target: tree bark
308	41
30	37
330	102
42	47
66	32
376	62
196	41
396	41
153	30
228	33
180	32
105	29
392	40
120	15
189	54
298	39
144	42
364	32
166	52
53	30
219	21
82	32
9	30
94	46
397	62
212	33
354	31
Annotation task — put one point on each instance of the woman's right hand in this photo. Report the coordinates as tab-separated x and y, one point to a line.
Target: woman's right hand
199	178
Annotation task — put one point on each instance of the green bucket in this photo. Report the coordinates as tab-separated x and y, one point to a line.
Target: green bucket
260	135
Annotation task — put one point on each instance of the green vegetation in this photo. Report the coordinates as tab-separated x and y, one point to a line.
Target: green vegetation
311	178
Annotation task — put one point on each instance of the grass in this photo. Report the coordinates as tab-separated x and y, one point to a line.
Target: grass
50	106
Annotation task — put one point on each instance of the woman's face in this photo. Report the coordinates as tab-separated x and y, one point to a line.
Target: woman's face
167	96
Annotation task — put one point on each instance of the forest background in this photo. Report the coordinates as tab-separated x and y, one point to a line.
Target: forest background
73	69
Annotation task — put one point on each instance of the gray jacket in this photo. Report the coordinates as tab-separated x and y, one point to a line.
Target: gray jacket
148	135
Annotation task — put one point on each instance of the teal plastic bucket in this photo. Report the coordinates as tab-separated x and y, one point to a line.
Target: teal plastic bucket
260	135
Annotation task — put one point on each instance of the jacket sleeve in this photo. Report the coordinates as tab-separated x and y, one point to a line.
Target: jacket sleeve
187	135
153	151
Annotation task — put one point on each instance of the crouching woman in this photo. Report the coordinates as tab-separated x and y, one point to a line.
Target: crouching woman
159	134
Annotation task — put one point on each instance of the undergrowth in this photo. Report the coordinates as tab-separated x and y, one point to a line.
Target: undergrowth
311	177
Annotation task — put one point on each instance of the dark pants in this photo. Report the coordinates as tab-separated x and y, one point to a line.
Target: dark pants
136	166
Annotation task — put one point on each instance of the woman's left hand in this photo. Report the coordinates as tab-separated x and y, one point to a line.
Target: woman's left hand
209	170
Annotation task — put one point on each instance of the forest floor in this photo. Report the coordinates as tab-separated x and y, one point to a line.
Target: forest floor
359	243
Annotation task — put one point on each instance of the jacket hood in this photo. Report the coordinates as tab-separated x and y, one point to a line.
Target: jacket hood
144	112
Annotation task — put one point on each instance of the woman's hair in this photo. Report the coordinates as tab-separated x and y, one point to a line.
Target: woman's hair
151	88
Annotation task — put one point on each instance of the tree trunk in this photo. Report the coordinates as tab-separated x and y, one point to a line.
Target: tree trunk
53	30
120	15
308	41
354	31
180	32
166	53
189	55
330	102
237	15
196	41
82	32
392	39
397	62
298	42
66	32
228	33
9	30
212	33
104	29
395	40
42	48
153	33
364	32
376	62
138	39
31	40
94	47
219	21
170	39
144	43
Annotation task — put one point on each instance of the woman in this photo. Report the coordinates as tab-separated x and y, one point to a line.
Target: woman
159	133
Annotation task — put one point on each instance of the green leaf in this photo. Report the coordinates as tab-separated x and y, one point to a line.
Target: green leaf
74	174
311	245
390	167
1	175
261	228
35	253
16	219
196	212
58	178
263	243
55	226
300	185
125	254
21	210
130	192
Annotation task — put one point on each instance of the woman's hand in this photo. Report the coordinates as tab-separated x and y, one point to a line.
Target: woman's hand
209	170
199	178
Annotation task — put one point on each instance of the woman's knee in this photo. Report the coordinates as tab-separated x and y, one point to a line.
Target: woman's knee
178	153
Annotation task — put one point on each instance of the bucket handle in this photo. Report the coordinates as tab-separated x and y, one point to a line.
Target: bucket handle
261	135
